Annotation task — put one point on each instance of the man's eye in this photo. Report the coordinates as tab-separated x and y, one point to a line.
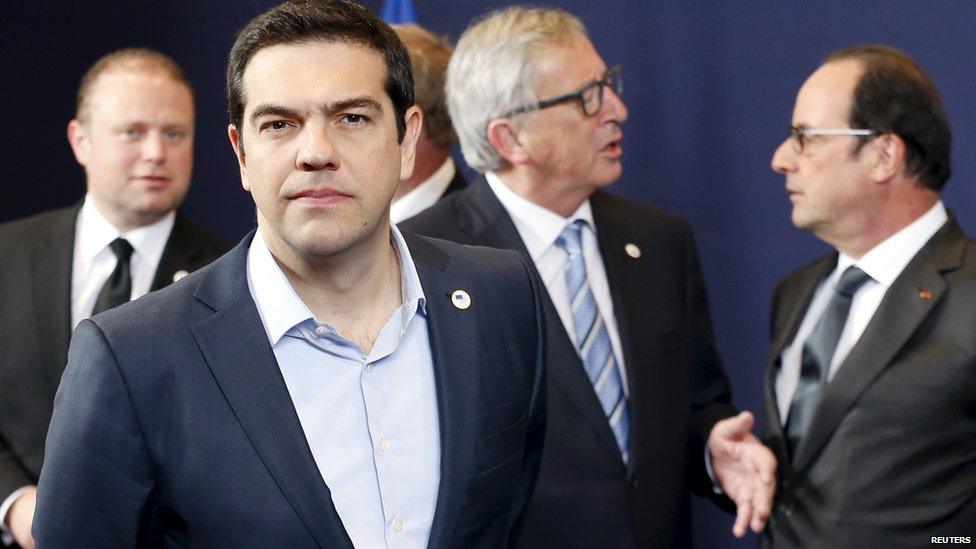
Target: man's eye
131	133
175	135
355	119
275	125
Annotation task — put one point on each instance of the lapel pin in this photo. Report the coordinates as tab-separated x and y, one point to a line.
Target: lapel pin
632	250
179	274
925	294
460	299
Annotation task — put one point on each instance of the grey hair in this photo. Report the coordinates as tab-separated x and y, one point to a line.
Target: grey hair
492	72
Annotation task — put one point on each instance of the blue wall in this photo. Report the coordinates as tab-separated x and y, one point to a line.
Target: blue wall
709	85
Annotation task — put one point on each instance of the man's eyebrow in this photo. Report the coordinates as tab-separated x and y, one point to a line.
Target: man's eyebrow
366	101
267	109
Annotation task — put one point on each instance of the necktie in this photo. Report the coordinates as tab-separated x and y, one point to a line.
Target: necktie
593	339
818	350
118	288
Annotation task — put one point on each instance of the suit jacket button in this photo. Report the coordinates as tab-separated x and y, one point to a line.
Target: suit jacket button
787	509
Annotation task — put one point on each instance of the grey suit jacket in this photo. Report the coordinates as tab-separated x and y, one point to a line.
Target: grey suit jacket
35	324
890	459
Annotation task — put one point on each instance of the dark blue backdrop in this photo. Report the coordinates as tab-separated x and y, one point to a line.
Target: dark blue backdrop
709	85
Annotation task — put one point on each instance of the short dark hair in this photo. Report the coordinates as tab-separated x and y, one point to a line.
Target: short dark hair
894	95
127	59
301	21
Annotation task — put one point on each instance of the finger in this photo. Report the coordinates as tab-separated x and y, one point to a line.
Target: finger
743	515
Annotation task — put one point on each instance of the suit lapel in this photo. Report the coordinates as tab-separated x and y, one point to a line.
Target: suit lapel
623	274
487	222
453	334
801	298
179	254
235	345
51	263
898	316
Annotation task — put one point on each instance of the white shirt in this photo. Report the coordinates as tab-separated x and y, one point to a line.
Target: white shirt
884	263
93	261
424	195
370	419
539	228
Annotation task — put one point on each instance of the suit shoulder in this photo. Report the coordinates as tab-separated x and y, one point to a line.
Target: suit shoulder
434	220
464	256
202	238
627	211
21	231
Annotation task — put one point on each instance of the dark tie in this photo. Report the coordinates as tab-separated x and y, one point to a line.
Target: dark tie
118	288
817	351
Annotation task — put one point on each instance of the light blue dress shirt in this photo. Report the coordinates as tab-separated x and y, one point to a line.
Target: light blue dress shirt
370	419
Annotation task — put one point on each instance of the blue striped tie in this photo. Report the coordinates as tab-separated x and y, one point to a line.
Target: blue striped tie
593	339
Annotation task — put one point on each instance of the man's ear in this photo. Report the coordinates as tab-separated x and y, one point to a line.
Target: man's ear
889	158
80	141
238	146
414	120
503	134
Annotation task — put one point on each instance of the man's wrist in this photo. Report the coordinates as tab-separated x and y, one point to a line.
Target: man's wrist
7	504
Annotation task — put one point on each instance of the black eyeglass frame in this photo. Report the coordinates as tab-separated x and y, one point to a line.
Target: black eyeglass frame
611	78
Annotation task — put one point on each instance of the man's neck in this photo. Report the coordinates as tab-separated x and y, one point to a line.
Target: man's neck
896	212
531	186
355	290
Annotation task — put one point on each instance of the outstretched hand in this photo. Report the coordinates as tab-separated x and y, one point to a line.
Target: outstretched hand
745	470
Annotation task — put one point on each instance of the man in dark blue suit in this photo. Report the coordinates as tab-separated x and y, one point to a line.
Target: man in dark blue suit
328	382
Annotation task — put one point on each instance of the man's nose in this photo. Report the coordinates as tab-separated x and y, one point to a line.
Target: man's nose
317	151
784	158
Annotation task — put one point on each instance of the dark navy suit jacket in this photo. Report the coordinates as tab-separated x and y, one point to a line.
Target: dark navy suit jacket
173	425
586	496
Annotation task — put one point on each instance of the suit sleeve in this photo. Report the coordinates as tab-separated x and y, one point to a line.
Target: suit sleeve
536	421
13	476
97	479
711	399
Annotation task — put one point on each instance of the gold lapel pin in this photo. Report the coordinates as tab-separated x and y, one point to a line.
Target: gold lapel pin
925	294
632	250
460	299
179	274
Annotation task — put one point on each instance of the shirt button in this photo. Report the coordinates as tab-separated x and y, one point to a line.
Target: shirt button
321	331
384	445
398	525
368	368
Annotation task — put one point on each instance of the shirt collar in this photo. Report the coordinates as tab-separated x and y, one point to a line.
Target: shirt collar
538	226
888	259
424	195
96	233
280	307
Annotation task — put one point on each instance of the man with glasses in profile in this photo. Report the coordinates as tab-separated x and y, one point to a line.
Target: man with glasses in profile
637	395
871	381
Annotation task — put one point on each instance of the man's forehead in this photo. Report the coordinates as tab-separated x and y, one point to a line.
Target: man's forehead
827	94
573	61
313	68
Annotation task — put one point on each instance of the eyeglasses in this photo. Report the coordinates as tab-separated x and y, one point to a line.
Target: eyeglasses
798	135
590	96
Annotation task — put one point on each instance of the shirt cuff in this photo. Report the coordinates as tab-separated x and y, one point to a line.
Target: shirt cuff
711	474
5	536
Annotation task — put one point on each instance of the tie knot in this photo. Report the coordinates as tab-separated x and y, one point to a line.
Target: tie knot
851	280
121	248
571	238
